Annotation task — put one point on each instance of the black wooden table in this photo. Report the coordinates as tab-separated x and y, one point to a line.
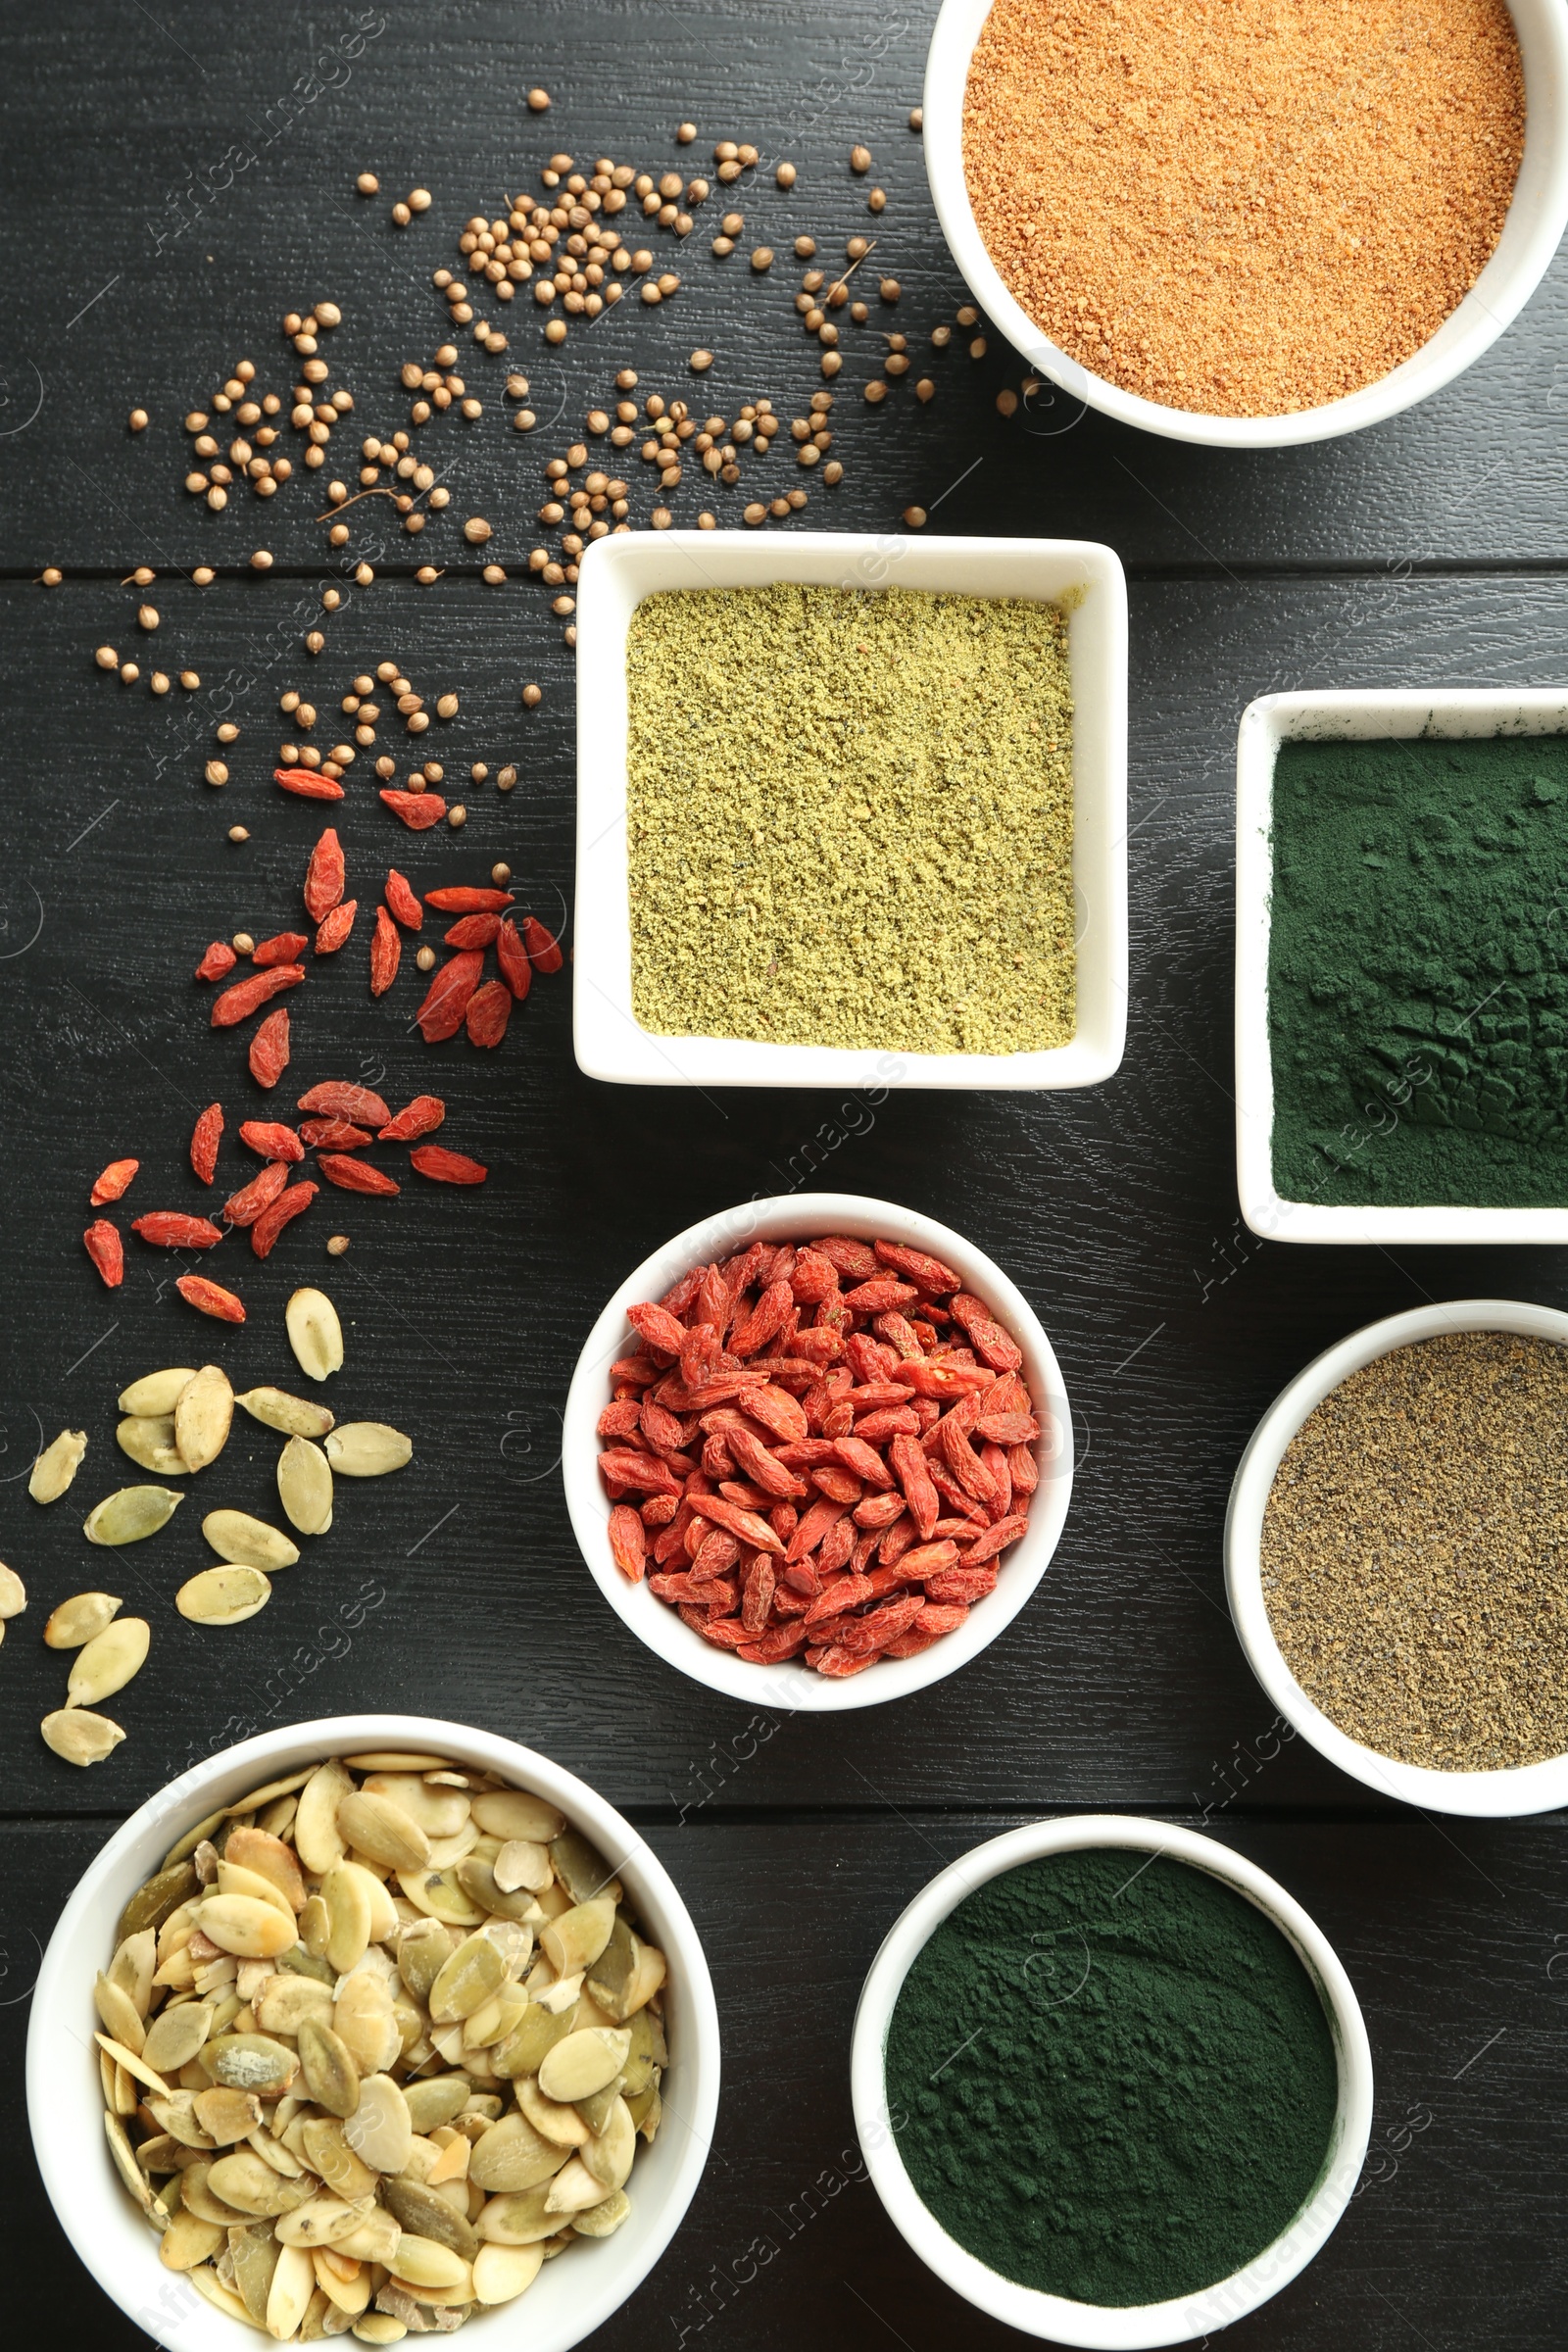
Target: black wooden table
179	178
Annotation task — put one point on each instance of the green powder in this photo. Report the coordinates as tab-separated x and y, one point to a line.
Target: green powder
1111	2083
1418	972
849	819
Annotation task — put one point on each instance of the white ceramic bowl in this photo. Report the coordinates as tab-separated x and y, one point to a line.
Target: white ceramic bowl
1523	1789
1357	717
791	1685
618	573
1531	234
574	2296
1127	2328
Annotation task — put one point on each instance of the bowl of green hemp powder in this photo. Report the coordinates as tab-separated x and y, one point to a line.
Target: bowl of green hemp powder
1111	2083
1397	1556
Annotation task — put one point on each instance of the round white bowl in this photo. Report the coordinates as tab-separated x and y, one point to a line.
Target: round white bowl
1124	2327
791	1685
573	2296
1521	1788
1536	219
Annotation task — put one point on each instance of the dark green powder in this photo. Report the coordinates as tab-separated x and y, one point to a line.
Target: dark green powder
1418	972
1111	2083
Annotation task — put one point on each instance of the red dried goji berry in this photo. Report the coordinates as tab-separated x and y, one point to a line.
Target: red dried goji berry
103	1245
513	956
419	1117
544	949
401	898
271	1138
113	1181
211	1299
629	1544
420	811
324	876
858	1259
307	785
269	1054
246	1206
446	1000
356	1175
447	1167
286	948
172	1229
335	1135
245	996
487	1014
657	1325
341	1099
473	931
460	899
335	928
204	1140
271	1223
917	1266
219	959
386	952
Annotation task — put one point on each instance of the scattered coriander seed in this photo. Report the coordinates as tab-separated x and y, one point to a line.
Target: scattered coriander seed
51	576
539	101
804	247
401	216
661	519
314	642
941	337
532	697
420	200
501	875
832	361
426	959
914	517
260	561
723	247
708	522
732	224
860	159
493	576
387	768
685	132
446	706
364	574
859	313
367	184
1008	403
138	420
476	530
563	604
876	391
969	316
158	682
877	201
978	348
107	657
916	117
457	815
763	257
626	380
556	328
243	944
897	364
330	599
217	772
569	635
857	248
129	673
506	777
238	833
701	362
890	289
833	472
228	732
337	1244
427	575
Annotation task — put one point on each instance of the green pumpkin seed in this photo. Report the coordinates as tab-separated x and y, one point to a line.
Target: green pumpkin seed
56	1466
524	2051
130	1515
581	1869
474	1972
421	2211
330	2075
477	1878
176	2035
254	2252
520	2218
435	2100
169	1887
424	1950
602	2220
251	2062
512	2155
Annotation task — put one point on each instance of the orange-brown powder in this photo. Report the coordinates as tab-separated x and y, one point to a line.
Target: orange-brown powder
1243	207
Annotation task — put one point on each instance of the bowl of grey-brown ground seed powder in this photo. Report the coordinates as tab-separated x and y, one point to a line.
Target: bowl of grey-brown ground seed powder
1397	1556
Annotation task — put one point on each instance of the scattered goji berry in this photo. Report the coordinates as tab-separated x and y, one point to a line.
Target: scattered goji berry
204	1140
269	1054
487	1014
103	1245
419	1117
447	1167
473	931
324	876
271	1138
272	1221
219	959
420	811
307	785
355	1175
334	1135
211	1299
172	1229
245	996
386	952
460	899
403	900
246	1206
113	1181
334	929
446	1000
513	956
544	949
287	947
341	1099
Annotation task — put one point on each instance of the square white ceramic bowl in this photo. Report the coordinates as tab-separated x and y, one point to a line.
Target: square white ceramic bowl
1359	718
617	572
574	2296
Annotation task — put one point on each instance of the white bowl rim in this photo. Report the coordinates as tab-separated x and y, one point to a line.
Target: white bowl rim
953	41
62	2005
791	1686
1357	715
1109	2328
1509	1792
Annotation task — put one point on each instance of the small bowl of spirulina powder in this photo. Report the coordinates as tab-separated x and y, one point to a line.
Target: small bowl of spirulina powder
1111	2083
1397	1556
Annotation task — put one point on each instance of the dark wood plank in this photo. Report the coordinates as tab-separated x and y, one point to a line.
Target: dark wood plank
174	186
1453	2239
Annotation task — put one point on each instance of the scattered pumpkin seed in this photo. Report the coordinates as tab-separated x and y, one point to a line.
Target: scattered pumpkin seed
249	1543
304	1486
368	1449
156	1393
151	1445
78	1619
224	1596
314	1333
12	1593
81	1738
203	1412
56	1466
130	1515
107	1663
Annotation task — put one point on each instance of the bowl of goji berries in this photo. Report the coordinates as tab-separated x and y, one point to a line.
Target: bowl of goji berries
818	1449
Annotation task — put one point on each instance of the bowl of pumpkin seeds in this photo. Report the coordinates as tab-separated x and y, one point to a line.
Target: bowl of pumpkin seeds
373	2026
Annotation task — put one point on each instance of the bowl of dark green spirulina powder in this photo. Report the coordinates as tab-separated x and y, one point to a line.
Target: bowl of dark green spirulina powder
1402	966
1111	2083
